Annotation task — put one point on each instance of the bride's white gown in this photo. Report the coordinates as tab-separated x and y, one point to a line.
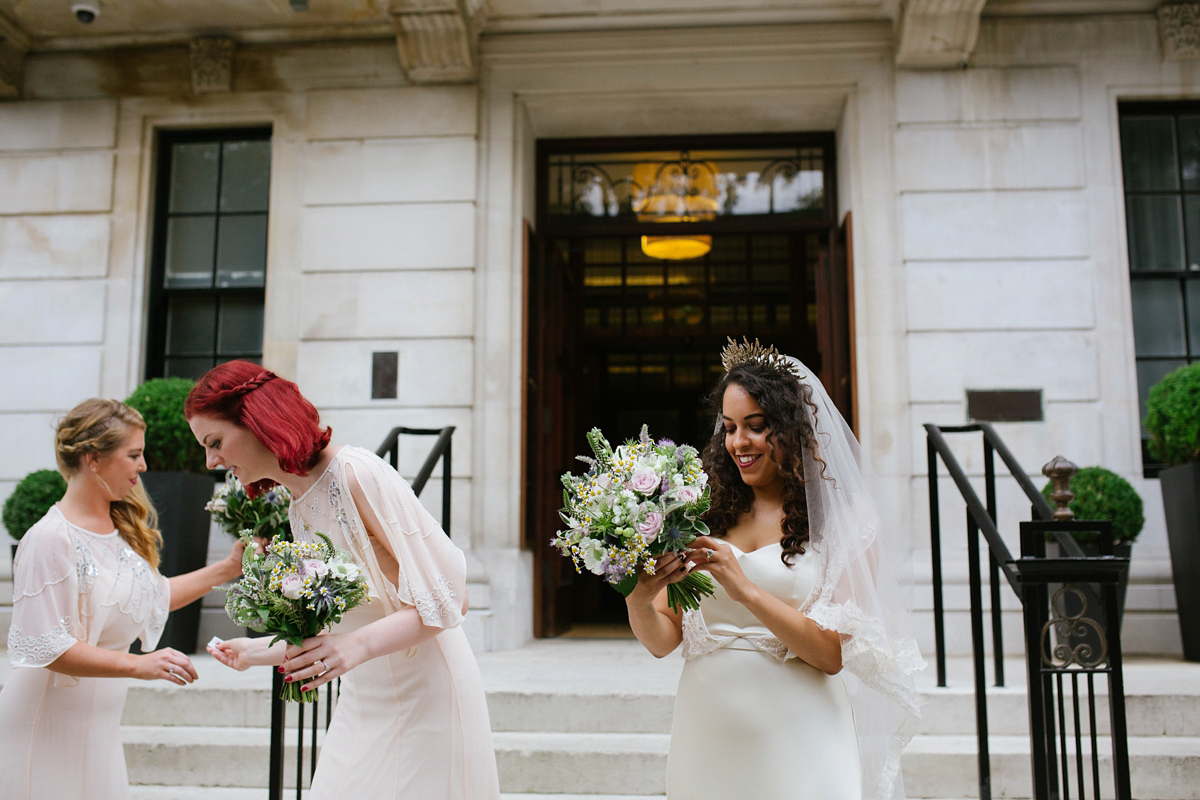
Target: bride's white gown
751	721
412	725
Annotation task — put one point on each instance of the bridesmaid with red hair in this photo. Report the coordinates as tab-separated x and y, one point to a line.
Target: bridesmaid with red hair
411	720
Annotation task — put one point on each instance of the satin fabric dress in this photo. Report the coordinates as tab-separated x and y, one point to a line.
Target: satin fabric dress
60	736
751	720
411	725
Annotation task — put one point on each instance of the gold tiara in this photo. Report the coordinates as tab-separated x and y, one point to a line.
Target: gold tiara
747	353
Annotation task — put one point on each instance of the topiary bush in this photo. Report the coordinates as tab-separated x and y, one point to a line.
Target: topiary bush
170	445
1173	416
31	499
1103	494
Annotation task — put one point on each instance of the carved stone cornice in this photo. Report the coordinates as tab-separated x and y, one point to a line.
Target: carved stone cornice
1179	30
212	64
438	39
14	44
937	34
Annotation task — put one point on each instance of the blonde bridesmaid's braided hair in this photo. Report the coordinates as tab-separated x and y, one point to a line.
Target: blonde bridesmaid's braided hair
100	426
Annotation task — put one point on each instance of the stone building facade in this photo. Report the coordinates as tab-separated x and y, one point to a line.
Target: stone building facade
977	149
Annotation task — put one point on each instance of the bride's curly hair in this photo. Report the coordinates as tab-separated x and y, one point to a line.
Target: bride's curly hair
783	399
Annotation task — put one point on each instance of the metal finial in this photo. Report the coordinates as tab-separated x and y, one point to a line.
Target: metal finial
1060	471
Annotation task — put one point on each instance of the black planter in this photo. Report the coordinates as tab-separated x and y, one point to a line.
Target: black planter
1181	501
179	498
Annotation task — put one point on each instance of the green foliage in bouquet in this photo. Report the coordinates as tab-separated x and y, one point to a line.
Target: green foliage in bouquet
632	505
265	516
1173	416
31	499
170	445
295	591
1103	494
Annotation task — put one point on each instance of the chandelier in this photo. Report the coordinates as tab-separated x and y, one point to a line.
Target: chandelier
675	191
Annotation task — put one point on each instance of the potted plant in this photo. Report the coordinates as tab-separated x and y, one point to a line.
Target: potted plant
1173	421
1101	494
30	500
180	485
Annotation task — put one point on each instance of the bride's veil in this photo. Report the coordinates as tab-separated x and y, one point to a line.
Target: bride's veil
863	591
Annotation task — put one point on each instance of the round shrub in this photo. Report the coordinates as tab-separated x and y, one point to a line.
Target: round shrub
1173	416
31	499
170	445
1103	494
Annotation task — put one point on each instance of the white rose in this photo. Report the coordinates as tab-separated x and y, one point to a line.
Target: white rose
314	567
687	494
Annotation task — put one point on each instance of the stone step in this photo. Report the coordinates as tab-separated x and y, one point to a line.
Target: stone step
1165	768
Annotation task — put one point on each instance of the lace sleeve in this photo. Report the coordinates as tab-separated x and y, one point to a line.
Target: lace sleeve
45	621
433	573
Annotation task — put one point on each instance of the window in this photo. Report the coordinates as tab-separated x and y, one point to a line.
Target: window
209	255
1160	155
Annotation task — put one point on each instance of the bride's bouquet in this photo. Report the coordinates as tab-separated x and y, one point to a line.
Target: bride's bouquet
294	591
234	510
632	505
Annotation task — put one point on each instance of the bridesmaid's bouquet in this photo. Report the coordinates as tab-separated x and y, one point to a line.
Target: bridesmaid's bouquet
235	511
632	505
294	591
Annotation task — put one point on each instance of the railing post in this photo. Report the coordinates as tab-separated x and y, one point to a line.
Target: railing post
981	721
446	488
935	546
278	712
989	466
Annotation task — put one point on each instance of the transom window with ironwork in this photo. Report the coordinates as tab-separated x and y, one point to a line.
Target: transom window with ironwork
1160	156
209	257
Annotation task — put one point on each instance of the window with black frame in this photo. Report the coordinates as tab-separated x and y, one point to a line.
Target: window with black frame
209	253
1160	156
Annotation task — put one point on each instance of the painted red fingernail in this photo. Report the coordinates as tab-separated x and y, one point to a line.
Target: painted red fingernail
288	679
281	670
306	688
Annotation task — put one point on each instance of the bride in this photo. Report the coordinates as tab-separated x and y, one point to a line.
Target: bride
411	722
797	679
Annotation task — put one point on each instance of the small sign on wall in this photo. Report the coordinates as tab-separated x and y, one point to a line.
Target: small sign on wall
385	375
1004	405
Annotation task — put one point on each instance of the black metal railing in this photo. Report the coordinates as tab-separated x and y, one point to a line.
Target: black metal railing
982	520
1073	631
307	756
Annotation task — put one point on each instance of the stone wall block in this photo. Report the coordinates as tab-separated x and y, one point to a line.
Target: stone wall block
995	225
382	113
28	444
388	237
367	427
387	305
999	295
52	312
943	366
54	246
433	372
992	157
52	378
391	170
1075	428
58	125
989	94
60	183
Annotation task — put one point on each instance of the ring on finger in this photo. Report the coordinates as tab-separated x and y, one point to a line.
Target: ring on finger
709	553
171	670
324	668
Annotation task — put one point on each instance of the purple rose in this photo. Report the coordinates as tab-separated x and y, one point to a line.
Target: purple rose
644	481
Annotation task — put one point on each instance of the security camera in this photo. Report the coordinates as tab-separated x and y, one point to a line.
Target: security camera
86	12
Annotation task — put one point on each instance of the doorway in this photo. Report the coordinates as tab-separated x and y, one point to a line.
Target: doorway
618	337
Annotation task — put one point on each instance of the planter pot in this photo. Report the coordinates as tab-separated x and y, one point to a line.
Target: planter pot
1091	604
179	498
1181	502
